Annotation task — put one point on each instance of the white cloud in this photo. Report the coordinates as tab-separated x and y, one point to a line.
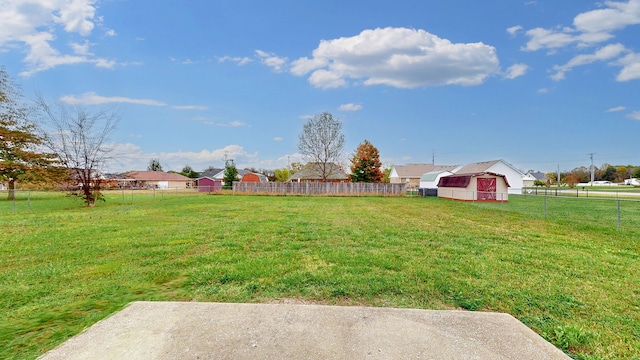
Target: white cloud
514	30
590	28
91	98
634	115
110	32
238	60
350	107
630	67
616	109
33	24
398	57
617	15
516	70
271	60
277	138
543	91
189	107
605	53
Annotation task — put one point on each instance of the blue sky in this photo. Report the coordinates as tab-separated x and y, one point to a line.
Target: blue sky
540	84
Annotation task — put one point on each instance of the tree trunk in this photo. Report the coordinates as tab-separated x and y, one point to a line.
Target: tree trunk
12	190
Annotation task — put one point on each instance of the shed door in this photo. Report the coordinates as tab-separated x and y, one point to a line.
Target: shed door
486	189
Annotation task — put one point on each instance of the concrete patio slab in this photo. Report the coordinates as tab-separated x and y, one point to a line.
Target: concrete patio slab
191	330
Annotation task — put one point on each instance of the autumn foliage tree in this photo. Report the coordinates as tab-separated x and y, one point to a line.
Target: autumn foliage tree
21	155
365	164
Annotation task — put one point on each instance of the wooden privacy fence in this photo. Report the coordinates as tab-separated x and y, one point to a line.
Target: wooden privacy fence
320	188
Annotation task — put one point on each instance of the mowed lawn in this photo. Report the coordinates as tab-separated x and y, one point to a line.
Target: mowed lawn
63	267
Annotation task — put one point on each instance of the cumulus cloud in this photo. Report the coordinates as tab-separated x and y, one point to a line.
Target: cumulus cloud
34	25
590	28
616	109
91	98
398	57
271	60
350	107
516	70
605	53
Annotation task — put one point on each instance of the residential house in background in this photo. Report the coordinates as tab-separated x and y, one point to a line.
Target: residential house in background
156	179
410	174
312	172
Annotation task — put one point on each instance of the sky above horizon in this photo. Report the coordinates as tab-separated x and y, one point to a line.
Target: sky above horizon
540	84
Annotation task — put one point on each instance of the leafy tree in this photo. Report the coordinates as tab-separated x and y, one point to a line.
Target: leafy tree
623	173
230	173
295	167
386	178
21	158
583	174
189	172
610	173
282	175
552	178
79	139
636	173
571	179
365	164
322	142
154	165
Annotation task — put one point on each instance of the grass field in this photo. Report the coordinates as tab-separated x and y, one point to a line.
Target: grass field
572	278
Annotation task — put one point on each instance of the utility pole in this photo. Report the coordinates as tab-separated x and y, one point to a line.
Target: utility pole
433	156
592	168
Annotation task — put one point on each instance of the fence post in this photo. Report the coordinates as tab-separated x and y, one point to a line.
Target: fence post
545	205
29	201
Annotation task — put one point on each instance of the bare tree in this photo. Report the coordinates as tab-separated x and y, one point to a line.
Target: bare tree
80	138
322	143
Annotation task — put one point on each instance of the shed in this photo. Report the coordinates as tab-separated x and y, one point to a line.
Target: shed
207	184
253	177
482	186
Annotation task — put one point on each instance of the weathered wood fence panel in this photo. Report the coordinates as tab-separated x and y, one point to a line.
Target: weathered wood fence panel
319	188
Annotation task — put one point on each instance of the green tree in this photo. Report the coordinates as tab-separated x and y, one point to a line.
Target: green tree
189	172
154	165
365	164
610	173
21	157
386	178
282	175
230	173
636	172
322	142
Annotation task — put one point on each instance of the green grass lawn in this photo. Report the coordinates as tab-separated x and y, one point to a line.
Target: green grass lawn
575	281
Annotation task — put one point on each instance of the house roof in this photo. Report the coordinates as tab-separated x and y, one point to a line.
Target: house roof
211	173
433	175
463	180
539	175
155	176
483	166
312	171
416	170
